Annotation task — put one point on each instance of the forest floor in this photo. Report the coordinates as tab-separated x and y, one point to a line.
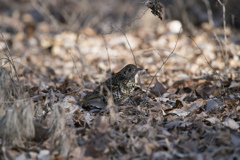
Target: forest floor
185	104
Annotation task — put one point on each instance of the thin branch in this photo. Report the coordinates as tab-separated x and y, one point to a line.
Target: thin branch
137	18
128	43
203	55
112	28
80	76
109	62
219	76
43	9
224	28
209	12
165	60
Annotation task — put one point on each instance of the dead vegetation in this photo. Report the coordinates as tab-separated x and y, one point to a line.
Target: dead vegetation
186	101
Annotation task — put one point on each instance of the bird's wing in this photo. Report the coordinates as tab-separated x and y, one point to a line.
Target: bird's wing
111	85
93	95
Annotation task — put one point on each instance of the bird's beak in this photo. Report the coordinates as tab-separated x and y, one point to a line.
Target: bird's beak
136	71
139	69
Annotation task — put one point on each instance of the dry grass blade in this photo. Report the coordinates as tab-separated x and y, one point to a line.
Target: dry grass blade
57	122
9	57
16	126
64	143
10	129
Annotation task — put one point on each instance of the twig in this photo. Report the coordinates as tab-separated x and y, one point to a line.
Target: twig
80	58
209	12
127	42
219	42
165	60
202	54
137	18
34	71
105	44
80	76
131	52
42	9
109	62
224	28
112	29
219	76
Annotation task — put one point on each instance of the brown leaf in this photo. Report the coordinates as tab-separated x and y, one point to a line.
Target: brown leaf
230	102
234	85
183	104
158	89
180	112
205	90
156	7
231	123
213	120
34	91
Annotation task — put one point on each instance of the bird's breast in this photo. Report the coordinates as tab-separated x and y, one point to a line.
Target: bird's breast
130	86
126	88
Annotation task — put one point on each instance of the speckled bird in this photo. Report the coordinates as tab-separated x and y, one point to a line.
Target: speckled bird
121	85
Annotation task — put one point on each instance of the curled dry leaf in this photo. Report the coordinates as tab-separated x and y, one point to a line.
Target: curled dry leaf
180	112
205	90
213	120
158	89
156	7
67	105
231	123
182	104
234	85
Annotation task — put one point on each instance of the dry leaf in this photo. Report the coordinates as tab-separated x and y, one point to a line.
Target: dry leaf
213	120
231	123
156	7
180	112
158	89
213	104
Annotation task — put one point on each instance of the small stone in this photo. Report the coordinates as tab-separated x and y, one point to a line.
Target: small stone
174	26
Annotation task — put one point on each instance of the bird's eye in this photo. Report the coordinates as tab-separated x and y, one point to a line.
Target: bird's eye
129	70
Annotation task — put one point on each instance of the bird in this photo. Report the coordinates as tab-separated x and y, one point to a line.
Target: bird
120	86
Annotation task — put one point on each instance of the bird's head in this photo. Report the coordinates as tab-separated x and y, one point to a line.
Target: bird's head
129	71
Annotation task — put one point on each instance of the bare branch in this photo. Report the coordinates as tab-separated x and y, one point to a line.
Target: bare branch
165	60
